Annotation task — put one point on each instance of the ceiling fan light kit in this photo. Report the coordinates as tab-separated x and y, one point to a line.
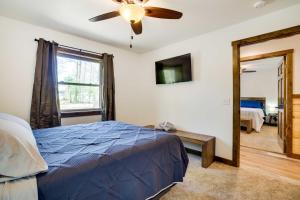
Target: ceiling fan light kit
132	13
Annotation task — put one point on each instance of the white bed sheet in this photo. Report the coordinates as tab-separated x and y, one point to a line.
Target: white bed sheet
24	188
257	116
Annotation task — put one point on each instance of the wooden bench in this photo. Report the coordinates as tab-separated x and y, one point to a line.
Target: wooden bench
248	124
207	142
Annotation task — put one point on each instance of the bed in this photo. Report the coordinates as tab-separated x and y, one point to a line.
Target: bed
108	160
253	112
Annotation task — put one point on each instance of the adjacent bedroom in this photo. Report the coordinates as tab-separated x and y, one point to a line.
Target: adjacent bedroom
259	104
149	100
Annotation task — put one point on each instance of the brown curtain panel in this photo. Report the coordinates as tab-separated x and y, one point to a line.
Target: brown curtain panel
108	88
45	103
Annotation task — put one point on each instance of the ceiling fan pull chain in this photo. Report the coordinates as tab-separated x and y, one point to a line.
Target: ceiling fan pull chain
131	39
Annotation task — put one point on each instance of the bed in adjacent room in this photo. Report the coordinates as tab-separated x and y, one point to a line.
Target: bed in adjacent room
102	160
253	112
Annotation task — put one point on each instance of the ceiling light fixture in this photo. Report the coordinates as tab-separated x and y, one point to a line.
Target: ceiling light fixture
132	12
260	4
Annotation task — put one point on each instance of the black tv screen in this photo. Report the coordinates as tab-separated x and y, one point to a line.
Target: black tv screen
174	70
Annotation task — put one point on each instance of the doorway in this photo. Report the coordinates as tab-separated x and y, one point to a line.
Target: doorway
287	131
264	93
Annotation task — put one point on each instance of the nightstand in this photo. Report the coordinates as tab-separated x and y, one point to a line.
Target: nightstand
272	119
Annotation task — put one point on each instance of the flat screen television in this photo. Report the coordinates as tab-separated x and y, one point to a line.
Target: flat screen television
174	70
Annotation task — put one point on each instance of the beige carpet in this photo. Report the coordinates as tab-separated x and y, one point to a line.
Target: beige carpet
222	182
264	140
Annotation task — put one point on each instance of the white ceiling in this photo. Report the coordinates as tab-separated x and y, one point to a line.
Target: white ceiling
263	64
199	16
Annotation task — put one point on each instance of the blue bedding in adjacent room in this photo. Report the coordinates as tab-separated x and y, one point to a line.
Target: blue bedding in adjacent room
108	160
252	104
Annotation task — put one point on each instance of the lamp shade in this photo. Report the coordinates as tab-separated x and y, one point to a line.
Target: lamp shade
132	12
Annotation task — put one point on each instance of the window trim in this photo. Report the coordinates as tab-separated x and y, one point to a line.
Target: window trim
86	56
78	84
80	113
79	53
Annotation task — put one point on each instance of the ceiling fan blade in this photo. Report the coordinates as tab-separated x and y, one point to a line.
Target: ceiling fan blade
118	1
105	16
142	1
122	1
249	71
137	27
162	13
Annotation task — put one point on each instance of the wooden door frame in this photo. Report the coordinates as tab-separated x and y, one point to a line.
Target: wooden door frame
236	45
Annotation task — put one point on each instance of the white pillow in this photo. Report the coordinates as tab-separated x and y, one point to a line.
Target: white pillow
15	119
19	155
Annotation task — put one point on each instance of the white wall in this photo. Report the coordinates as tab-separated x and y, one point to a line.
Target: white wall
262	83
201	105
279	45
17	65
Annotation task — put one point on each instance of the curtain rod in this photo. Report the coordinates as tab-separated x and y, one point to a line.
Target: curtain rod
74	48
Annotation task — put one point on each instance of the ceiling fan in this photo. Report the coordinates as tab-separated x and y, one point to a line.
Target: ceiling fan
133	11
245	70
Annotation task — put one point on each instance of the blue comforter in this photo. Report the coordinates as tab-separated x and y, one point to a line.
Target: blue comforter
108	160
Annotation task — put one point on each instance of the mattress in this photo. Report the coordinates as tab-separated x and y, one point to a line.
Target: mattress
108	160
257	116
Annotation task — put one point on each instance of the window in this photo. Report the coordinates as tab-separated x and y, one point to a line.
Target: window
78	84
